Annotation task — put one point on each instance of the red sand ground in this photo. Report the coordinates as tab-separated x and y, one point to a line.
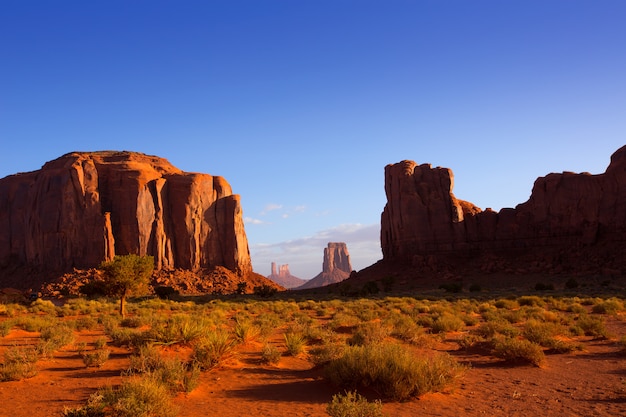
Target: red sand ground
587	383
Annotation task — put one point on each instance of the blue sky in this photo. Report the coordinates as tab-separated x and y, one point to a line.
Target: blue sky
300	104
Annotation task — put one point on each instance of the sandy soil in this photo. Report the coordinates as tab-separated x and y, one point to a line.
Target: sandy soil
587	383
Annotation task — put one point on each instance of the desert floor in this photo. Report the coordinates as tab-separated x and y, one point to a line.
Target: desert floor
590	382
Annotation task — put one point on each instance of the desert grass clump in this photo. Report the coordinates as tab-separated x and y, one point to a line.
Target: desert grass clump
53	339
531	301
516	350
447	322
213	349
544	334
41	306
245	330
5	327
368	333
35	324
331	347
294	342
352	404
392	371
590	326
95	358
611	306
181	328
86	323
270	354
19	363
136	397
496	327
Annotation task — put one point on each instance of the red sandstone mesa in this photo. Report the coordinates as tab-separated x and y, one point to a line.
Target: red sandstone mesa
86	207
571	222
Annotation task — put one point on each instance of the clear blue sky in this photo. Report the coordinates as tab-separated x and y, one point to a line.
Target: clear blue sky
300	104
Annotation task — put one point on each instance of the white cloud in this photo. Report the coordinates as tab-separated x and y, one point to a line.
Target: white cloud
271	207
305	255
250	220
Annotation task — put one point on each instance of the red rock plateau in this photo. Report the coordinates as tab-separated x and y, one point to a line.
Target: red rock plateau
572	224
283	277
335	268
86	207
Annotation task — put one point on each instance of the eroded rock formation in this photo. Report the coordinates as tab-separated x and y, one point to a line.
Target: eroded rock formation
86	207
571	223
282	276
336	266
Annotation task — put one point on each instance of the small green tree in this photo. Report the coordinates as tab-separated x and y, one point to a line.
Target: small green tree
126	275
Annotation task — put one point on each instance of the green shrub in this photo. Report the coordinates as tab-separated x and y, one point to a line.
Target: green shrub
611	306
447	323
591	326
392	371
519	351
368	333
352	404
19	363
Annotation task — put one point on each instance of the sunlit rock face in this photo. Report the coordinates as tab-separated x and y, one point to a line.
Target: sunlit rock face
86	207
336	266
571	222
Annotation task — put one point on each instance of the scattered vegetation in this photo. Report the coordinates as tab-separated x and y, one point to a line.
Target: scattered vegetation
352	404
390	346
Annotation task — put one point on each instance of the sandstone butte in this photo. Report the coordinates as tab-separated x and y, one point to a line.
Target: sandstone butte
336	267
86	207
282	276
571	224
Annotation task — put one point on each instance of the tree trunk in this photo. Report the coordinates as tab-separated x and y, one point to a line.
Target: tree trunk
123	305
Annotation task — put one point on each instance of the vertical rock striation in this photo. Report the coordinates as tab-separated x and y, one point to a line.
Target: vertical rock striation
86	207
574	222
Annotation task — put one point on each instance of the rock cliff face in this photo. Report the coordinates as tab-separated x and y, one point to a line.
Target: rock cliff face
571	223
336	266
283	277
83	208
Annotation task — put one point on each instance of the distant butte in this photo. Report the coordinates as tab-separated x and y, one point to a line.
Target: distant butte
336	266
283	277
